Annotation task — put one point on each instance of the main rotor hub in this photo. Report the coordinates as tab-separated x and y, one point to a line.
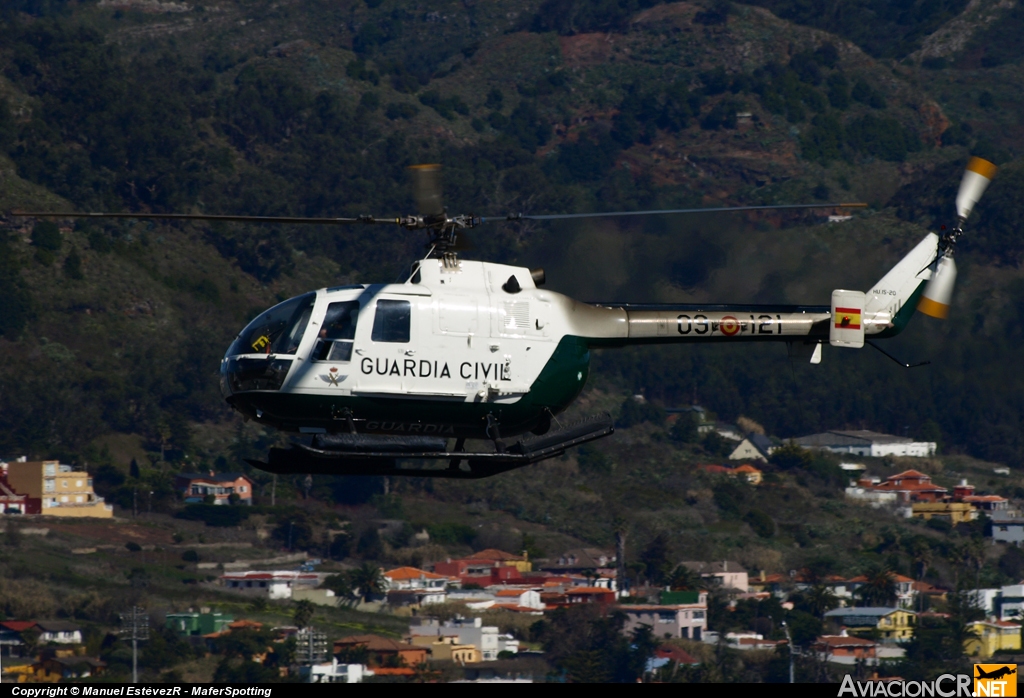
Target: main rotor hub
442	229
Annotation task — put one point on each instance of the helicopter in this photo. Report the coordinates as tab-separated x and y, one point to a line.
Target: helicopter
394	379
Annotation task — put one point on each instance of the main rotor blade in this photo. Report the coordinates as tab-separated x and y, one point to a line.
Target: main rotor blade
720	209
210	217
426	188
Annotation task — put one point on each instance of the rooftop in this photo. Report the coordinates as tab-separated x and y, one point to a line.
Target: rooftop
878	611
859	437
213	477
404	573
844	641
717	567
495	554
374	643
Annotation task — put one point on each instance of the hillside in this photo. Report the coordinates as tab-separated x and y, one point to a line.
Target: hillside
112	332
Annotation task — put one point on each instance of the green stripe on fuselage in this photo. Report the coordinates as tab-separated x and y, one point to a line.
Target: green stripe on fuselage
559	383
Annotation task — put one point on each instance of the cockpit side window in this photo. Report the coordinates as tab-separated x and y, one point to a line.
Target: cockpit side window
391	321
278	330
337	332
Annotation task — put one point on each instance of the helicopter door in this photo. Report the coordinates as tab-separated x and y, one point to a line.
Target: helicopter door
337	333
386	361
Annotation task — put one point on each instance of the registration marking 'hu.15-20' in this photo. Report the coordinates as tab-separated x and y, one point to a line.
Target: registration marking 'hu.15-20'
729	325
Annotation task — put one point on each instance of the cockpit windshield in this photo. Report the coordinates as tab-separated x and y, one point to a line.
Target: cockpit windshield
278	330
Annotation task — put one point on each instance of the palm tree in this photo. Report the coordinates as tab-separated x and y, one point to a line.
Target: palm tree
303	613
959	632
343	588
819	600
922	554
975	558
684	579
879	589
368	579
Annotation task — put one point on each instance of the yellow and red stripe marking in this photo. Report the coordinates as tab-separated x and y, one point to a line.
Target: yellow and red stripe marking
848	318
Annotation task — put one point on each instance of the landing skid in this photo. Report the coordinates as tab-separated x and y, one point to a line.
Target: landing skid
391	457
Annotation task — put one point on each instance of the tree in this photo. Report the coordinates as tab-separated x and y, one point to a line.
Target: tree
343	588
303	612
368	579
761	523
879	589
73	265
819	600
588	646
655	559
684	579
959	632
46	236
684	430
790	456
369	545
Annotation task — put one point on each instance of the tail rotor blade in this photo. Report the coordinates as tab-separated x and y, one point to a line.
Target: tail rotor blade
939	291
426	189
976	179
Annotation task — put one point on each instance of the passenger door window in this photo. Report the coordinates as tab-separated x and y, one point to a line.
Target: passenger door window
337	332
392	321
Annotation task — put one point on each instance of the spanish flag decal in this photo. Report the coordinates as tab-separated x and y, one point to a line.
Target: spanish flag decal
847	318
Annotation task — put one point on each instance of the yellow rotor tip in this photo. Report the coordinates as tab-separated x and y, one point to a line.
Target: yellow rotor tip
983	167
933	308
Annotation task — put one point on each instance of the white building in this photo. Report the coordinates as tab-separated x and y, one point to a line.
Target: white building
687	621
873	498
1011	602
753	447
60	632
728	575
333	672
867	443
468	631
986	599
276	584
411	585
1007	528
520	598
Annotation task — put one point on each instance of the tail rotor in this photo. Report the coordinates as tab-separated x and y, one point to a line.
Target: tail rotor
937	295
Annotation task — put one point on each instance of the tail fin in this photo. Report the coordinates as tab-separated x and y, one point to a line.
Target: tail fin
892	301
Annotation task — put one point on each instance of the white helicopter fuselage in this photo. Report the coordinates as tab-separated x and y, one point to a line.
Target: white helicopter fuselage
464	344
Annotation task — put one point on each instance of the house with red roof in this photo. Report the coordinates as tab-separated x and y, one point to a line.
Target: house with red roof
599	595
481	573
383	651
912	486
277	584
746	472
11	641
845	649
225	488
906	591
406	586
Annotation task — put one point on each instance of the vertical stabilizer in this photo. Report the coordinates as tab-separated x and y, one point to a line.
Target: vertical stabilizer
893	299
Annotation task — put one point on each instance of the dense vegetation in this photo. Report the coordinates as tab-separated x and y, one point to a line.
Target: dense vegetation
111	332
229	131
